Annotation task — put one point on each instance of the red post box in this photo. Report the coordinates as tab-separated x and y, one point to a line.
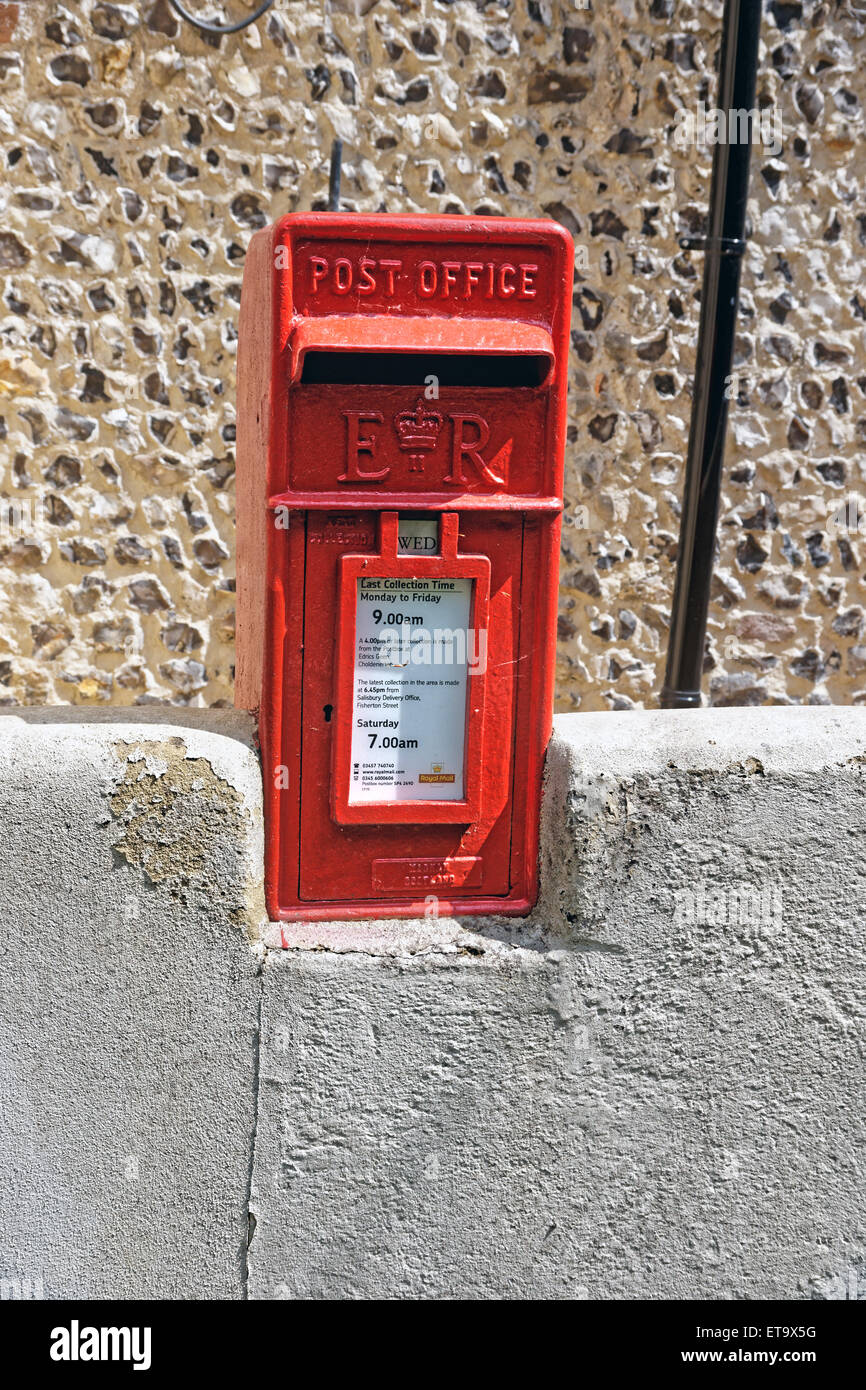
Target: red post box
401	424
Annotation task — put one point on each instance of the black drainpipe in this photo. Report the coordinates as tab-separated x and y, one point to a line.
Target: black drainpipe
336	174
724	246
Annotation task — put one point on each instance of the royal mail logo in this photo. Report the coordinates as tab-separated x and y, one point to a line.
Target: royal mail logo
437	775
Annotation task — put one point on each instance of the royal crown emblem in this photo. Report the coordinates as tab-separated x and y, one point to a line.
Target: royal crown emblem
418	429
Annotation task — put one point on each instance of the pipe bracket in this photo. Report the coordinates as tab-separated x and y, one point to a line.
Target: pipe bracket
714	245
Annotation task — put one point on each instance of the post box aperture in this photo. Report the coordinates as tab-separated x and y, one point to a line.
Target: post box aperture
401	417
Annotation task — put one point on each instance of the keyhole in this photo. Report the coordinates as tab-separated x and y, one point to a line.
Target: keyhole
328	711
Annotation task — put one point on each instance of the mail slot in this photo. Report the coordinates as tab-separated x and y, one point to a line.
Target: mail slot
401	425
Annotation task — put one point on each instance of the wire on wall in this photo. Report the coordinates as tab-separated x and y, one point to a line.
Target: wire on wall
208	28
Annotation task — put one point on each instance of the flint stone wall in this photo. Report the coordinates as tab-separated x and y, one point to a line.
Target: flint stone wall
139	156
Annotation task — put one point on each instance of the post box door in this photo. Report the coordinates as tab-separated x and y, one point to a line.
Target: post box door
357	861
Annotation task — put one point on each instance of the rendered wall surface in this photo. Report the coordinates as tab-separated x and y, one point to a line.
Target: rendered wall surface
658	1097
129	998
138	157
653	1088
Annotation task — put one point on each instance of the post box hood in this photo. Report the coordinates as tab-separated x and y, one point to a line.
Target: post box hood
418	335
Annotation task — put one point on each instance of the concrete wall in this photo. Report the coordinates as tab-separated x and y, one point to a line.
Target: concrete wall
652	1088
129	881
138	157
